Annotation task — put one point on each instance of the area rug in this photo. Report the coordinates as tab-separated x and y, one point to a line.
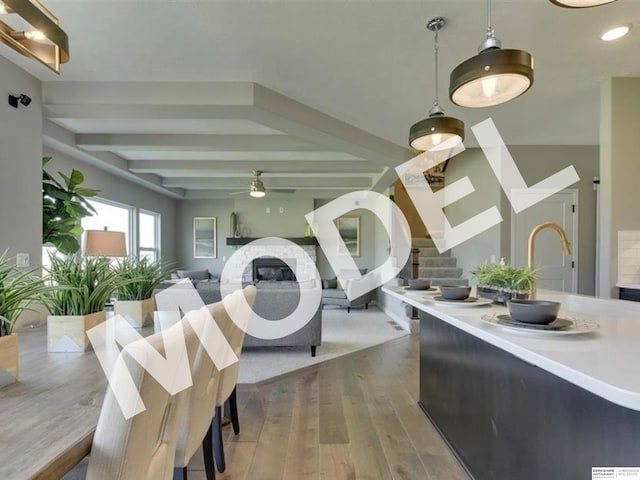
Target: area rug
342	333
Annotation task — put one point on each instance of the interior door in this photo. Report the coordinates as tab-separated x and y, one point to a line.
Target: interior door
556	271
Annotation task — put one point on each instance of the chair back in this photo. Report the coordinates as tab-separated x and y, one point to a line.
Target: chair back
143	446
241	313
201	397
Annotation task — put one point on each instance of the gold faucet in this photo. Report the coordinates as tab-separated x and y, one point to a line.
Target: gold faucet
566	246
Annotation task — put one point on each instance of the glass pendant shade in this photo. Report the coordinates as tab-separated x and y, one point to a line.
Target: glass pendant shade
580	3
437	132
492	77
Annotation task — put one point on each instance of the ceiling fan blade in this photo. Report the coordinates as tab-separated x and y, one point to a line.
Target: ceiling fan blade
281	190
238	193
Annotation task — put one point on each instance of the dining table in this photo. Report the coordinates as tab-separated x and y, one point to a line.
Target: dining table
48	417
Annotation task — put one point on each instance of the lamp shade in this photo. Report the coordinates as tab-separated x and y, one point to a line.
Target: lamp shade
492	77
104	243
580	3
436	132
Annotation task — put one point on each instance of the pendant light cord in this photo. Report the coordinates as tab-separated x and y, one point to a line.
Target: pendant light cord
435	49
490	31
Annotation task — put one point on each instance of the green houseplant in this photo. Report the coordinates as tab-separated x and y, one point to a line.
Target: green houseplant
134	295
86	285
63	206
19	288
503	282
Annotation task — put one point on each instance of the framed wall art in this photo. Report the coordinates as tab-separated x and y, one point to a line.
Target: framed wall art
349	231
204	237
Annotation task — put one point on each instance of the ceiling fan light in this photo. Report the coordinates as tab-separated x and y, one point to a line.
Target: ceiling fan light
257	193
437	132
580	3
490	78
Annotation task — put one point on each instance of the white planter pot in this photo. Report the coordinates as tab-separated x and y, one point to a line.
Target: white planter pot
139	313
68	333
8	359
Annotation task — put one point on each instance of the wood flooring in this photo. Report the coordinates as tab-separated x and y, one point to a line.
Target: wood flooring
354	417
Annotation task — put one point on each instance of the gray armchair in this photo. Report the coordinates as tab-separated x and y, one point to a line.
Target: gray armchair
332	295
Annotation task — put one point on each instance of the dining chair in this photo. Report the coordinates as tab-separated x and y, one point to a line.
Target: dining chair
141	447
228	376
195	423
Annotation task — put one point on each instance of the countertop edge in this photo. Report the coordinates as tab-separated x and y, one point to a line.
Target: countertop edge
625	398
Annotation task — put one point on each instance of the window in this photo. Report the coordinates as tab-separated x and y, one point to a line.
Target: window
149	235
141	228
112	216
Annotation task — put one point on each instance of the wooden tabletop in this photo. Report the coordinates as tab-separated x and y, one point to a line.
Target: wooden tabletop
48	417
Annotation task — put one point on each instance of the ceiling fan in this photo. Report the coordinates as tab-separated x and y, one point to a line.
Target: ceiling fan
257	190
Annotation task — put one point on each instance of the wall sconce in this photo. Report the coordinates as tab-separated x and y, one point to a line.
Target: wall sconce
22	98
45	42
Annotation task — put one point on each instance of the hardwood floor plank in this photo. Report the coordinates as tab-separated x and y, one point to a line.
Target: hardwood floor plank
270	456
303	448
332	422
368	456
403	460
251	415
336	462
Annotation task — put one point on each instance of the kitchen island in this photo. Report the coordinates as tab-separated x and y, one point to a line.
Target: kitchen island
515	404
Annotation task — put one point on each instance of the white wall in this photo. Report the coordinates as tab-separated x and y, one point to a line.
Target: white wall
21	164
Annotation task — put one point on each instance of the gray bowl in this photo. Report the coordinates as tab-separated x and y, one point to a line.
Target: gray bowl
454	292
533	311
419	284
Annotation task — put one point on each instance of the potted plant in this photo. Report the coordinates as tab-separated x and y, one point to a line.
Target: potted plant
63	206
18	289
501	282
134	295
78	306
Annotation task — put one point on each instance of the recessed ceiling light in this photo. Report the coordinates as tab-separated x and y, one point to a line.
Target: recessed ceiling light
615	33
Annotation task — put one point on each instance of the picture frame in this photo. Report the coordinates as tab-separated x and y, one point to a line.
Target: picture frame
349	231
205	237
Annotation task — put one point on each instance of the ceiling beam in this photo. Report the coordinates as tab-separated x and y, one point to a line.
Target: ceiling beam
60	139
240	183
275	167
179	142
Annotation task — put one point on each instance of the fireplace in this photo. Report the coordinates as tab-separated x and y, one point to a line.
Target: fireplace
271	268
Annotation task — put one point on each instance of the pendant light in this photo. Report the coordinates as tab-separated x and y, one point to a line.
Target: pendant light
580	3
437	131
492	77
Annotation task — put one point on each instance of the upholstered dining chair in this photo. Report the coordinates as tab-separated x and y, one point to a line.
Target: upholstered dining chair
195	423
229	376
143	446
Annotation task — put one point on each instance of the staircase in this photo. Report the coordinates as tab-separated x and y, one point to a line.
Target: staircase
440	268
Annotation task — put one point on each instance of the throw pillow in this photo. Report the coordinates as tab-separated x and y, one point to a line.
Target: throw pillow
193	274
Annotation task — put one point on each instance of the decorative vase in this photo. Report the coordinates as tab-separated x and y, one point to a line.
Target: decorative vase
8	359
139	313
233	224
68	333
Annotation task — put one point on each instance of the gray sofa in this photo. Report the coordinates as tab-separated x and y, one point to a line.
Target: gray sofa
274	301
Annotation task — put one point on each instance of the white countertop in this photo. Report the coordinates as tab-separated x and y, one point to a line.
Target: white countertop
635	286
605	362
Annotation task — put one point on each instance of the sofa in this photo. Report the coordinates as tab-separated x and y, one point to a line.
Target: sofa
274	301
334	294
